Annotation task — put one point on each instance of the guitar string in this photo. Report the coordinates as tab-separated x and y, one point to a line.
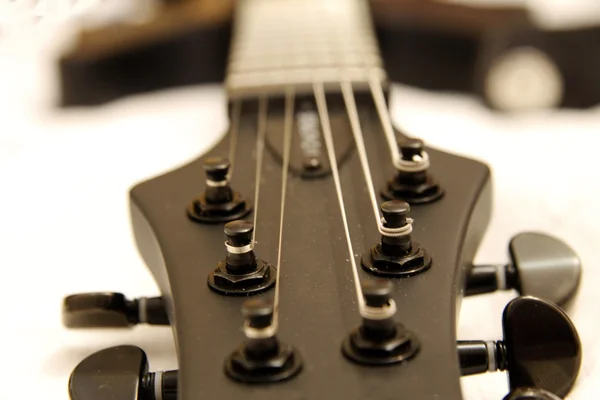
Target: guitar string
319	93
287	145
352	111
348	95
384	117
236	111
260	146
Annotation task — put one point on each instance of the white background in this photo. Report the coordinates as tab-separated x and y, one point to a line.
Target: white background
64	225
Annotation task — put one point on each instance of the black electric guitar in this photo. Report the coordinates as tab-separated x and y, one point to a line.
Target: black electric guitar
317	252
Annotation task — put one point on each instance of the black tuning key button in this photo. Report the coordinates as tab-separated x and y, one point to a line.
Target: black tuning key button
379	340
413	183
531	394
541	266
241	273
262	358
219	202
397	255
112	310
541	348
120	373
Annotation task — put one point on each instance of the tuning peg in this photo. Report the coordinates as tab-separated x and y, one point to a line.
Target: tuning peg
219	202
120	373
541	348
542	266
112	310
531	394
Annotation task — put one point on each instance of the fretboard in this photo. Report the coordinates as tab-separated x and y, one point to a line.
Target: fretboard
294	43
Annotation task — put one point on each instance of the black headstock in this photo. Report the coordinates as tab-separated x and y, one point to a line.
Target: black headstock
318	307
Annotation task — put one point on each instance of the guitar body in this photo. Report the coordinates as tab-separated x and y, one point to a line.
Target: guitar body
318	305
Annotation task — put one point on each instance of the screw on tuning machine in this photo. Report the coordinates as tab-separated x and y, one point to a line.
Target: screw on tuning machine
413	183
120	373
541	348
262	358
397	255
542	266
379	340
241	273
112	310
219	203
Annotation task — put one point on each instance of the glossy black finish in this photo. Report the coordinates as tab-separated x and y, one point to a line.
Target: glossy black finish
112	374
543	347
120	373
111	310
546	267
473	356
542	266
531	394
317	303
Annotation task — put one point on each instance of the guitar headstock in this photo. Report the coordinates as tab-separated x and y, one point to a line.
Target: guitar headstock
318	307
317	251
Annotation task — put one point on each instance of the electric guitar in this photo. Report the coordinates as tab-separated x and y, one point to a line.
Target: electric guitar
318	252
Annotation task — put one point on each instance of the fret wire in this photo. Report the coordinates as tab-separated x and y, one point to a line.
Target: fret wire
348	95
260	146
384	117
319	92
236	111
287	145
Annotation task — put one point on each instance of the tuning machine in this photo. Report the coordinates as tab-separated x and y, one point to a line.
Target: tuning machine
120	373
541	266
413	182
241	273
262	358
531	394
397	255
219	202
541	349
112	310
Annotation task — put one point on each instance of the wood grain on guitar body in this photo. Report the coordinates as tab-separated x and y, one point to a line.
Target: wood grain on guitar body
348	245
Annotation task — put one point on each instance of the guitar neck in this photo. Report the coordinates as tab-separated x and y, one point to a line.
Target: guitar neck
295	43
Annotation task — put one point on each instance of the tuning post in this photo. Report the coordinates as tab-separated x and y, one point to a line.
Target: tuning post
397	255
219	202
112	310
540	349
541	266
379	340
262	358
121	372
241	273
412	183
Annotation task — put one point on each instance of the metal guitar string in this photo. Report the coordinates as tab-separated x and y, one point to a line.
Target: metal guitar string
417	163
260	147
236	111
348	95
287	145
325	125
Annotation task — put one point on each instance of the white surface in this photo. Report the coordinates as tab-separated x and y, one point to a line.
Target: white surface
64	224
